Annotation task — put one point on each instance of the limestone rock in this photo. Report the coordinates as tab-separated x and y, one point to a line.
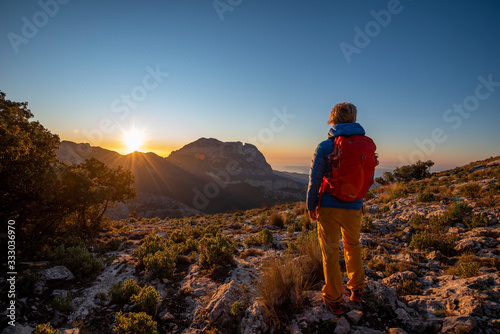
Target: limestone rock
354	315
220	306
451	323
342	326
56	273
387	294
255	320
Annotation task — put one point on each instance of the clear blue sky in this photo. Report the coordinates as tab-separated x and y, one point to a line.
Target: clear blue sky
234	65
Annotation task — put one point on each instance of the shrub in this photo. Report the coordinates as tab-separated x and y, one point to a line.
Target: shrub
147	300
289	218
45	329
178	236
216	251
367	224
265	236
425	197
236	308
134	323
494	189
417	222
437	223
211	230
113	244
470	190
261	220
458	211
121	292
394	267
150	245
196	232
63	304
393	191
409	287
384	208
477	220
467	266
305	221
425	239
160	264
27	282
77	259
252	240
277	220
190	245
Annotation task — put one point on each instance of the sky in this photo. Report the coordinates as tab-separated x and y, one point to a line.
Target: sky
424	75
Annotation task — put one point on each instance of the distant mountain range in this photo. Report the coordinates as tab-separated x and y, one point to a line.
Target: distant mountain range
205	176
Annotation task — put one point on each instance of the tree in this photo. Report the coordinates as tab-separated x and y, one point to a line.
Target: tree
99	187
27	163
417	171
42	194
387	178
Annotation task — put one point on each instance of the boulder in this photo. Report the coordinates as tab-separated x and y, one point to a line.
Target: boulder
342	326
57	273
219	308
255	320
354	315
387	294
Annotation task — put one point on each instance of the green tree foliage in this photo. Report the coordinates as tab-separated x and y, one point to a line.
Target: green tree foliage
417	171
97	187
46	195
27	166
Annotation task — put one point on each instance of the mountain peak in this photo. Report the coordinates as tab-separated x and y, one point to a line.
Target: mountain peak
209	154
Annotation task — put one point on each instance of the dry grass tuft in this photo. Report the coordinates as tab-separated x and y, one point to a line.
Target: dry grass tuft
281	291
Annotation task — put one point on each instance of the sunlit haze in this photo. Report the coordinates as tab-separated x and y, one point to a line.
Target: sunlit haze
153	76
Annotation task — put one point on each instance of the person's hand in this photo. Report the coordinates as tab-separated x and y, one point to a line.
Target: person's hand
313	214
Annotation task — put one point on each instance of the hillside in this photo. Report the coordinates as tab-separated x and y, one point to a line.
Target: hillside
206	176
431	253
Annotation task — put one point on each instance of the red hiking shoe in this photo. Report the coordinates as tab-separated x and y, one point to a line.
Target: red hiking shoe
357	296
335	308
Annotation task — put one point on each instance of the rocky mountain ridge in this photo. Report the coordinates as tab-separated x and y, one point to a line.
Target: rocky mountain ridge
205	176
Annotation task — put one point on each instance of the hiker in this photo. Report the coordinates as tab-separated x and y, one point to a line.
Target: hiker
335	215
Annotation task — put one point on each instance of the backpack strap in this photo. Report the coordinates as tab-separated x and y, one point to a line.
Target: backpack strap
322	189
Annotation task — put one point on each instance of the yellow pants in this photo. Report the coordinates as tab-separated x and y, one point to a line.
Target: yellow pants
332	221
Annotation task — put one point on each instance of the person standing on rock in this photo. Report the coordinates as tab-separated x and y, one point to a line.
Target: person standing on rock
336	216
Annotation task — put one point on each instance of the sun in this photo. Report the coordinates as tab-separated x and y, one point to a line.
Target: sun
134	140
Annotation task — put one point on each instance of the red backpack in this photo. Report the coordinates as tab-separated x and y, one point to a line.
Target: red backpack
353	164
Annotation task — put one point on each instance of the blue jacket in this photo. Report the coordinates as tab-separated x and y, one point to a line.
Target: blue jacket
320	167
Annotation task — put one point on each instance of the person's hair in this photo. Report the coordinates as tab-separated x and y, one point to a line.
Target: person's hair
344	112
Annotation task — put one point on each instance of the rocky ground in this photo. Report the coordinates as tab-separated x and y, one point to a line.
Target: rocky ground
431	267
